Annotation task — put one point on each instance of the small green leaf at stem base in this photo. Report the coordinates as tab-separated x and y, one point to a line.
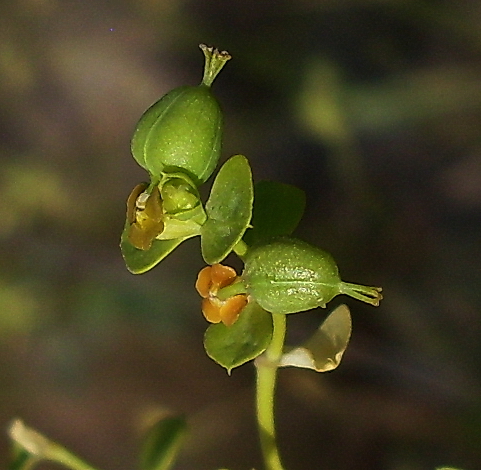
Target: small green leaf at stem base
162	443
278	209
229	209
324	350
232	346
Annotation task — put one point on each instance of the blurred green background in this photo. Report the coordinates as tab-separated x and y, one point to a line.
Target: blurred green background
372	107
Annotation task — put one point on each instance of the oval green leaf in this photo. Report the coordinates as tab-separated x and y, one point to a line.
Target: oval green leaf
229	209
324	350
278	209
162	443
247	338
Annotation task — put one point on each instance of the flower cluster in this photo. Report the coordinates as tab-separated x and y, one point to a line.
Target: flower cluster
145	216
209	281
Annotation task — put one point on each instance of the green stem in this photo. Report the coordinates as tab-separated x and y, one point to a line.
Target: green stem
267	366
230	291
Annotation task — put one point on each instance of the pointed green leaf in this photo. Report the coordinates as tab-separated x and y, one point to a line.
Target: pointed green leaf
162	443
31	441
140	261
247	338
324	350
229	209
278	209
37	447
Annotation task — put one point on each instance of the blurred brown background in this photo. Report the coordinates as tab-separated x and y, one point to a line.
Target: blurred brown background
372	107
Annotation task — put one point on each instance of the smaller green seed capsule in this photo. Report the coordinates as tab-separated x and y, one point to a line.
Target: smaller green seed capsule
183	130
289	276
178	196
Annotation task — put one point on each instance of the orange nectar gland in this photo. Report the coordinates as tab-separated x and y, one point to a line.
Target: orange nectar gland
145	216
209	281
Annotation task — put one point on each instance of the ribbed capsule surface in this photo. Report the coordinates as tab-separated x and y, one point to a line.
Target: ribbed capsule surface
288	275
181	131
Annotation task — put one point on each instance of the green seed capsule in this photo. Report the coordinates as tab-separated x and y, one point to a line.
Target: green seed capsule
183	130
289	276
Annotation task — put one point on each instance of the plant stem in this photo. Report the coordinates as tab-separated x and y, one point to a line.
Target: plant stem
231	290
267	366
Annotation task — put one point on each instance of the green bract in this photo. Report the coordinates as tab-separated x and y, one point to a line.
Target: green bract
183	130
277	211
160	216
232	346
288	276
229	209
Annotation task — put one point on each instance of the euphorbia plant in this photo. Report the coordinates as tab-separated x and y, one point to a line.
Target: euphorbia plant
178	142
